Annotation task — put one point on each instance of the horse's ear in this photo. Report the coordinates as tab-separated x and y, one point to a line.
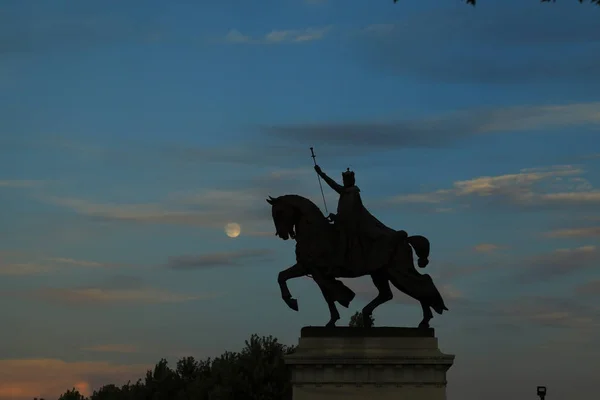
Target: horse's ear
270	201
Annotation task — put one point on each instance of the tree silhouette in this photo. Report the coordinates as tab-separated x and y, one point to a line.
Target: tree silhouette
162	383
131	392
262	365
357	321
108	392
257	372
72	394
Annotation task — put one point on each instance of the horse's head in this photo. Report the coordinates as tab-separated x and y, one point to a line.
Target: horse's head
295	215
284	215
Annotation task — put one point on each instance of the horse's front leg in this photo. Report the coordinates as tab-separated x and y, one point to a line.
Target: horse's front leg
334	315
326	289
332	290
295	271
427	315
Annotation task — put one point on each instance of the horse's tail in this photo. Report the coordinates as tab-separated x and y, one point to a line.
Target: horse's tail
420	245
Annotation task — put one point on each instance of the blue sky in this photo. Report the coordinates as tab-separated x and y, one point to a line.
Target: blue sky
131	134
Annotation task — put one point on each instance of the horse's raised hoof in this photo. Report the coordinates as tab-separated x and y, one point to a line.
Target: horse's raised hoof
291	302
331	324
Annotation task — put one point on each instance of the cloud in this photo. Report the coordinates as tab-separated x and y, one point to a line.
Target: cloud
558	263
209	208
278	36
571	198
486	248
255	154
420	198
262	151
297	36
121	281
208	198
135	212
284	181
11	253
589	288
458	45
583	232
511	184
205	209
450	293
113	348
52	264
550	311
591	156
451	271
210	260
70	261
441	130
21	183
118	289
554	186
79	263
48	378
250	194
235	36
91	295
534	314
22	269
70	29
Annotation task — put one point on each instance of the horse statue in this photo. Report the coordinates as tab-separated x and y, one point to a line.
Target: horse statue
389	259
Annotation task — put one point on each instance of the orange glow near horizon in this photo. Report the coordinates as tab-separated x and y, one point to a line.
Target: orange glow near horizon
49	378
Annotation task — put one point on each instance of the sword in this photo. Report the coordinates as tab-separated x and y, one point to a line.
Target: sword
312	152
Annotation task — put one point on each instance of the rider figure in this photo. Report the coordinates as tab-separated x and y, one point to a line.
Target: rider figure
348	211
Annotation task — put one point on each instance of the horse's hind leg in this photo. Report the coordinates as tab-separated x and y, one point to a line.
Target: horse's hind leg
381	282
295	271
425	304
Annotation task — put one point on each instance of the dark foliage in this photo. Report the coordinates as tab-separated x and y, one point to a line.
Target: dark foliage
357	321
257	372
72	394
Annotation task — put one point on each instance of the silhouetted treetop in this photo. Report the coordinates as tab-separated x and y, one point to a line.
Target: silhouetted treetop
357	321
72	394
257	372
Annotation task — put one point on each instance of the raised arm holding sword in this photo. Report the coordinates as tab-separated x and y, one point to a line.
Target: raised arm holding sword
349	208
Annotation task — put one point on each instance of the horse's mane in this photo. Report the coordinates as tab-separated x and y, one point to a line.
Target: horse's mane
303	203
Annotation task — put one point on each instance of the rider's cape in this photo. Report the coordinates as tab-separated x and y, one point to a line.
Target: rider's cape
370	242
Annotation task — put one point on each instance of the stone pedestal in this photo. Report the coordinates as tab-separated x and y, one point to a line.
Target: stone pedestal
379	363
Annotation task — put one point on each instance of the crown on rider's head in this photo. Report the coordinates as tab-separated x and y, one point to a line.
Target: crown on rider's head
348	173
